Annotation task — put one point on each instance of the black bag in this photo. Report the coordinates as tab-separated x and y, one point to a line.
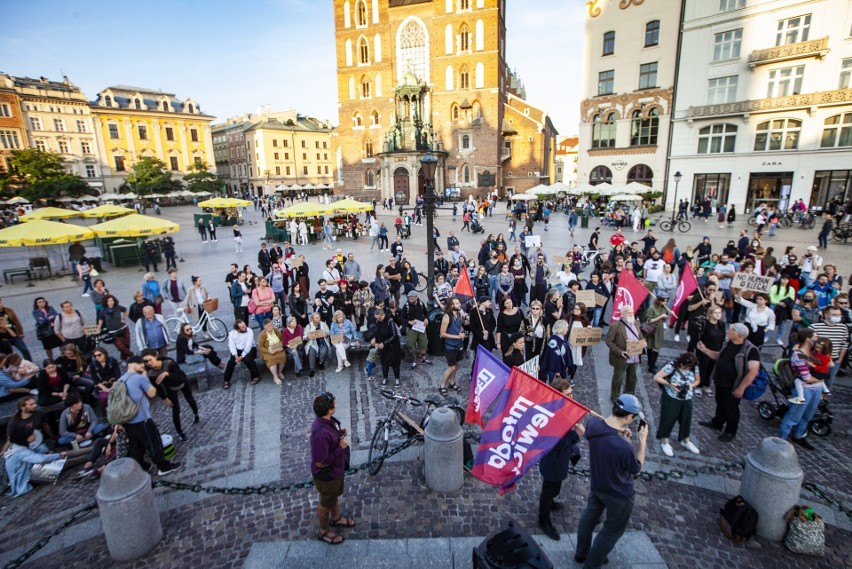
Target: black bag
738	519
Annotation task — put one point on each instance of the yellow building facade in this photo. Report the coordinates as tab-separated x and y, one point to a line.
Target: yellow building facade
132	123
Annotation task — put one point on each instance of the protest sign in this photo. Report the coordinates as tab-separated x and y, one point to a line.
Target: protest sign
587	336
635	347
751	281
587	297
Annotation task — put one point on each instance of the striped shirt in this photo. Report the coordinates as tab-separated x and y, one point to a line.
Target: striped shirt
838	334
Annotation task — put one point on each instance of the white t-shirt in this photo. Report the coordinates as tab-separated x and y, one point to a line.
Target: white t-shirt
653	269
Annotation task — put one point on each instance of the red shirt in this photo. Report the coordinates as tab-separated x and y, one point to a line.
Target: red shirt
616	239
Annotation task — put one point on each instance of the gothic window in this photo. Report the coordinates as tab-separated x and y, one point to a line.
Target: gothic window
464	38
464	78
361	13
412	50
356	119
368	149
363	51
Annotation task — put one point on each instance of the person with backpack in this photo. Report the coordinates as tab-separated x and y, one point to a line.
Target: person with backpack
129	407
170	380
68	325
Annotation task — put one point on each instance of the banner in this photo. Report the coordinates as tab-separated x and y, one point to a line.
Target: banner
529	419
586	336
685	287
463	289
630	292
488	379
751	281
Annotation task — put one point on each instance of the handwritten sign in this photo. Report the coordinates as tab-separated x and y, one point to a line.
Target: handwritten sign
316	334
533	241
561	259
419	326
530	366
587	336
337	339
91	330
750	281
294	343
600	299
635	347
296	263
719	298
587	297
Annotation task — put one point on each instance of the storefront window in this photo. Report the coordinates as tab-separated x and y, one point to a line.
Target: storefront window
830	184
770	188
712	186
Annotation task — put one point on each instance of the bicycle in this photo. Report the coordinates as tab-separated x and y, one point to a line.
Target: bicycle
216	329
409	428
669	225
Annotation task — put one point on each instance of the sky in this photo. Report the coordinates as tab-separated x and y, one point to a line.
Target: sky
232	56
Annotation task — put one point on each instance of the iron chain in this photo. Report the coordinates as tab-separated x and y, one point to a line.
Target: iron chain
831	502
43	541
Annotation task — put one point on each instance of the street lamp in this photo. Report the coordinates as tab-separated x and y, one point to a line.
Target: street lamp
677	178
430	165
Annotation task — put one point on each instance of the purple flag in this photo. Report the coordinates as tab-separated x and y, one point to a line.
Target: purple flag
489	377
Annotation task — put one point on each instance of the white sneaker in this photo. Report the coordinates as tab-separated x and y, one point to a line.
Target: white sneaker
708	391
691	447
668	450
677	338
346	363
796	400
697	392
339	369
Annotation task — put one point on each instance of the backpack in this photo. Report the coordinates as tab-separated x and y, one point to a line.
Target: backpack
120	407
738	519
668	255
757	387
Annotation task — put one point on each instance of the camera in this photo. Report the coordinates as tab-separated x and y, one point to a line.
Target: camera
682	390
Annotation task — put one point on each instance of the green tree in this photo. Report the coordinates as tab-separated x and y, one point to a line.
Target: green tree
38	174
149	175
200	179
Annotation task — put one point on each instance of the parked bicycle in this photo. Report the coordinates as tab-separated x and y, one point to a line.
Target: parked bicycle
215	328
407	427
842	232
669	225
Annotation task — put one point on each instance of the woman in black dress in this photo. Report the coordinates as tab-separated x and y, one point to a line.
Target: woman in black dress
535	330
509	321
298	305
711	335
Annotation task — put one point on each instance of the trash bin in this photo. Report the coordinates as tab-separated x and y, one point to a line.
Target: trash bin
433	333
584	221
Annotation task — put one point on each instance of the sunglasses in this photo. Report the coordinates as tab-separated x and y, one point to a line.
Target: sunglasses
327	395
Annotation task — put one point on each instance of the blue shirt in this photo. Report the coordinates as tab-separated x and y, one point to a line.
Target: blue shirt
612	459
454	328
7	383
154	334
137	387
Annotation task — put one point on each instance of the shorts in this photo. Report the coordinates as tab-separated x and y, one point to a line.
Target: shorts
329	491
453	357
416	340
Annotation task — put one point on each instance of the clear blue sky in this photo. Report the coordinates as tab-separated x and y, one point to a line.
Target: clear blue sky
233	56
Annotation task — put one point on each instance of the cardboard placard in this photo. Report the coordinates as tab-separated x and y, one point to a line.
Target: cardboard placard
316	334
635	347
91	330
294	343
532	241
561	259
337	339
587	297
296	263
750	281
719	298
586	336
530	366
419	326
600	299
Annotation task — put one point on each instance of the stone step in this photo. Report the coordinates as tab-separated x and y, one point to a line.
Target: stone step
634	550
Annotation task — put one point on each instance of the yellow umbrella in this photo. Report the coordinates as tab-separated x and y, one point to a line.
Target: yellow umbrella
224	203
42	232
350	206
306	209
49	213
106	210
134	225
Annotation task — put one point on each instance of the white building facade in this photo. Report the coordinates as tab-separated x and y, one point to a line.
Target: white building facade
764	102
630	56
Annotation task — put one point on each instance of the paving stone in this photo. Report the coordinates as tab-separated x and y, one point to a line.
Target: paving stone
267	555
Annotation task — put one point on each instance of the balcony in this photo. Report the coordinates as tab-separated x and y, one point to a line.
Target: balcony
505	154
819	99
812	48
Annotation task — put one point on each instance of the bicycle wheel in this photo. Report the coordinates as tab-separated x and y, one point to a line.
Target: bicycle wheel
173	325
809	223
684	226
422	282
752	220
785	222
666	225
378	447
217	329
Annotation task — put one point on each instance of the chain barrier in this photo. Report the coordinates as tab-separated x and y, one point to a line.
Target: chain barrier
674	474
831	502
43	541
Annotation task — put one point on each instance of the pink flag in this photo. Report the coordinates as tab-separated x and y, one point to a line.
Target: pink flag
630	292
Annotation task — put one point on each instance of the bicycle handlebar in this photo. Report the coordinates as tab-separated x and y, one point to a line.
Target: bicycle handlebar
388	394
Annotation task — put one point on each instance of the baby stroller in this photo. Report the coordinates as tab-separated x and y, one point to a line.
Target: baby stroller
405	231
781	386
476	227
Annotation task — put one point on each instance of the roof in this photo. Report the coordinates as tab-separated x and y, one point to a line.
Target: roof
303	124
140	90
123	96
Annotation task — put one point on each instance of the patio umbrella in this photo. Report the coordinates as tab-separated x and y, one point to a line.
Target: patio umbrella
522	197
106	210
542	190
350	206
604	189
17	200
582	189
42	232
305	209
625	198
637	188
134	225
49	213
225	203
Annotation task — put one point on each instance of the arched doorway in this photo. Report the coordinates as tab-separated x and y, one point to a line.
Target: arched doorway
421	183
400	184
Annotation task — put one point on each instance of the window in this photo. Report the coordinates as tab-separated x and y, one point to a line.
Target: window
464	5
286	156
465	142
108	101
360	15
603	131
119	163
454	112
728	5
722	90
81	126
276	156
285	143
86	147
606	81
368	149
643	131
278	170
319	169
412	49
845	73
324	144
325	156
305	170
316	144
286	170
608	43
793	30
641	173
786	81
170	133
326	169
41	145
652	33
193	134
5	111
113	131
363	52
143	132
464	38
370	179
717	138
9	140
35	123
365	89
465	170
173	163
599	175
190	108
90	170
838	131
166	106
304	155
778	134
305	142
274	143
727	45
59	125
648	75
318	155
464	78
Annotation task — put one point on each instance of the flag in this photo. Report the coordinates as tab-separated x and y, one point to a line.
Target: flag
489	377
529	419
463	290
630	292
685	287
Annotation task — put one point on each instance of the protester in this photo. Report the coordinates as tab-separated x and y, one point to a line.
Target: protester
386	341
678	378
329	461
45	318
243	350
343	328
453	334
623	365
557	358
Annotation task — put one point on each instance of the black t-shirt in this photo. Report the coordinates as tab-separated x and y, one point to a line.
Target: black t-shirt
24	427
649	242
725	372
391	271
230	278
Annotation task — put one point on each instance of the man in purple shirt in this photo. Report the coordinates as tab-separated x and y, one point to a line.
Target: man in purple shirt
329	460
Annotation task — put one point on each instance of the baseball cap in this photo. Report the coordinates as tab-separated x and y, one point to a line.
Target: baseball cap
412	293
135	360
629	403
483	298
812	248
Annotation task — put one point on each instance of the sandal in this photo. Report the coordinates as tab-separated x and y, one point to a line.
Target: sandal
455	387
255	381
331	538
443	391
342	522
226	385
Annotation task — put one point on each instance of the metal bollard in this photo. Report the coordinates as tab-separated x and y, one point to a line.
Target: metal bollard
772	483
444	451
128	510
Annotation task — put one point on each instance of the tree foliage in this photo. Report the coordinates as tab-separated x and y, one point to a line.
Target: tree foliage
39	174
149	175
200	179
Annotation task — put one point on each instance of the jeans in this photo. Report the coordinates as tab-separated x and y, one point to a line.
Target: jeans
296	356
618	510
71	437
18	468
373	242
22	347
318	355
87	283
832	374
796	419
782	330
597	316
823	239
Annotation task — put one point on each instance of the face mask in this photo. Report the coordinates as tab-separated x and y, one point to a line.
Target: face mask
835	319
630	319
